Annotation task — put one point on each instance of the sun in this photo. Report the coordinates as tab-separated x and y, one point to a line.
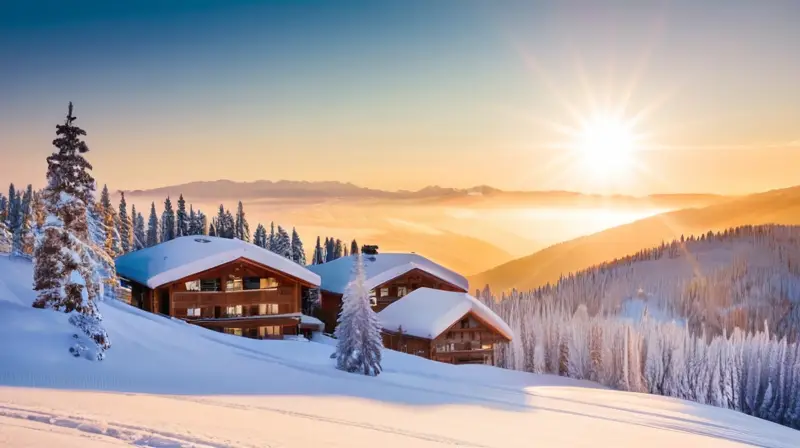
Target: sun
606	145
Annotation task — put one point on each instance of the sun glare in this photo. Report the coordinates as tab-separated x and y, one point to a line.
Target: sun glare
606	145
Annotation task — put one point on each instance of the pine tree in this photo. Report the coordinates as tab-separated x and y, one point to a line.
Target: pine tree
260	236
3	209
353	247
271	238
181	219
318	254
14	222
298	253
337	249
283	244
167	222
39	213
329	249
62	254
108	217
125	226
139	236
152	227
23	242
242	228
8	214
202	223
212	231
358	333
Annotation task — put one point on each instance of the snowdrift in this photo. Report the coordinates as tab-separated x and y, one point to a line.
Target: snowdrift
168	383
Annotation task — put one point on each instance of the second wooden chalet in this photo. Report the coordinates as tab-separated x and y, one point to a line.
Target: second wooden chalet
390	277
221	284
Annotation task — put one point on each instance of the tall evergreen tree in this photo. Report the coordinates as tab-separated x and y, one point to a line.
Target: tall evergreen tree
152	227
330	249
62	255
260	236
242	228
167	222
3	209
272	237
14	221
319	256
111	238
358	333
125	225
8	214
212	230
139	237
23	244
181	219
337	249
283	244
353	247
192	229
298	253
202	223
39	212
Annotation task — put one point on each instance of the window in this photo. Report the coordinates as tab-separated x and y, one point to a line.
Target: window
372	300
233	310
194	312
384	292
486	346
268	282
401	291
267	308
233	284
194	285
234	331
272	330
211	284
251	283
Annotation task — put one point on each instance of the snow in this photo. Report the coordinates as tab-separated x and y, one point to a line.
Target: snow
380	269
184	256
166	383
427	313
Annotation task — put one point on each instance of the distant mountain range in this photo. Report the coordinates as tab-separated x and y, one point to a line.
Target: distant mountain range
547	265
322	190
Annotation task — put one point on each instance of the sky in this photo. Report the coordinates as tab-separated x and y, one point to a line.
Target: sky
401	95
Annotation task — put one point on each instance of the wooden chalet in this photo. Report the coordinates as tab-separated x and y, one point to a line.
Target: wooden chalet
221	284
390	277
451	327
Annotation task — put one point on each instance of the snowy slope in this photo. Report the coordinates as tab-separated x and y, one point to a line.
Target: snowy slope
165	383
739	278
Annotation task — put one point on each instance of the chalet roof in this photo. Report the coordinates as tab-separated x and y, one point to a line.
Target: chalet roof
427	313
381	268
187	255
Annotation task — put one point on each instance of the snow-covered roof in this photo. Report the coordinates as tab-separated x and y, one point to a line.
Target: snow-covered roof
187	255
427	313
380	269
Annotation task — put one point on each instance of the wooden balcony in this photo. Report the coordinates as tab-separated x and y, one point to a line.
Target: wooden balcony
281	295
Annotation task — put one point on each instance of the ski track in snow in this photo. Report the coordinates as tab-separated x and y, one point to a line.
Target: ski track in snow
134	435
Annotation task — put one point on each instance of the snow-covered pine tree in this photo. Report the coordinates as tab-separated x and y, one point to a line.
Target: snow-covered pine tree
10	205
39	213
358	333
353	247
330	249
316	258
152	227
202	223
167	222
192	227
282	244
181	219
23	242
260	236
125	226
298	252
337	249
229	226
271	237
3	209
242	228
63	268
139	232
212	229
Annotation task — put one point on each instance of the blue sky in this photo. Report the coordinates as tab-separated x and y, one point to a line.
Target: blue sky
330	90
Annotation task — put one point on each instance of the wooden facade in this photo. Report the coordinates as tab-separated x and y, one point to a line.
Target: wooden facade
241	297
384	294
468	341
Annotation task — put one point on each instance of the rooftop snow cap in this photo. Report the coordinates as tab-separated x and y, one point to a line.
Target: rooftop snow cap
427	313
381	268
187	255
